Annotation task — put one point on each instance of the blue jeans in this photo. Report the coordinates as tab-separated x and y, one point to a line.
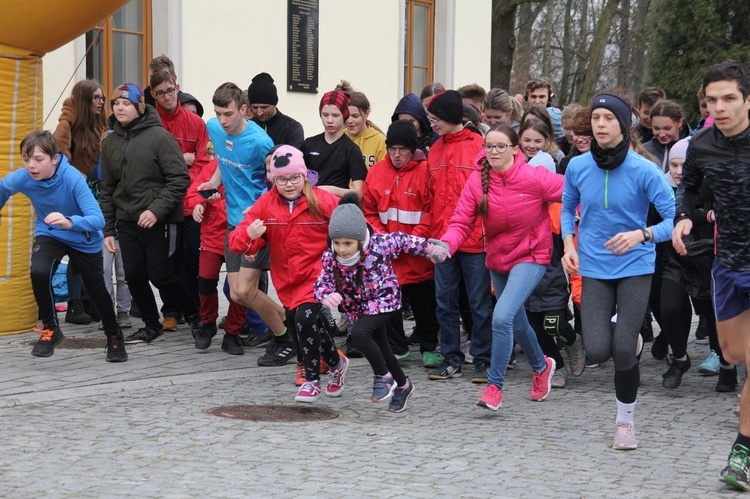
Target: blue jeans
477	279
509	319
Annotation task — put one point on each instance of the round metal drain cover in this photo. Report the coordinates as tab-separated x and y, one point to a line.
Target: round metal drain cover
274	413
76	343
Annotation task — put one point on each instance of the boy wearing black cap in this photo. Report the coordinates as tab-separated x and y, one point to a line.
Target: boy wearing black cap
263	97
451	161
144	178
397	198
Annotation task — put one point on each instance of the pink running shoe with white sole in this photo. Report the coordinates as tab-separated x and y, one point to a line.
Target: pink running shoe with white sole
492	398
309	392
541	384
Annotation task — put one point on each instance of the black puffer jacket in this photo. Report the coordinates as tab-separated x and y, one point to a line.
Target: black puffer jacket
142	169
725	163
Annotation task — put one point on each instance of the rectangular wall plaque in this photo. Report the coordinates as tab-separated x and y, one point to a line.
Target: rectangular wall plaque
302	43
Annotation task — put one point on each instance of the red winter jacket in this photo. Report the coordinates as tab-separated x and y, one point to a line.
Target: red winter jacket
452	161
214	225
190	131
401	201
297	242
518	223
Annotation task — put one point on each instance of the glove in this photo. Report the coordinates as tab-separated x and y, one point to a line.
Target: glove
333	300
437	251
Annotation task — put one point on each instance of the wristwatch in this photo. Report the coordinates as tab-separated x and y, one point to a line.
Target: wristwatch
646	236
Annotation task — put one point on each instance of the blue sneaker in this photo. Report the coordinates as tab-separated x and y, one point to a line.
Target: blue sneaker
710	366
383	388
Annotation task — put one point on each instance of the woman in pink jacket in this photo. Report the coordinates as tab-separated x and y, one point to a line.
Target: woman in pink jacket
511	197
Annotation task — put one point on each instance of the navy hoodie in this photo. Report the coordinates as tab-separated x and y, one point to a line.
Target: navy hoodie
411	104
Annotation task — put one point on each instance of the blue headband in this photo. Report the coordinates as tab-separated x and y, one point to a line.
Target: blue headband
617	106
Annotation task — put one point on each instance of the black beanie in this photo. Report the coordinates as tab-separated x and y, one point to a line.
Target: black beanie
402	133
262	90
617	106
447	106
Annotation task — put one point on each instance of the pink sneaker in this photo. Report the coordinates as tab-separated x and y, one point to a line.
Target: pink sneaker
308	392
492	398
624	437
336	378
541	384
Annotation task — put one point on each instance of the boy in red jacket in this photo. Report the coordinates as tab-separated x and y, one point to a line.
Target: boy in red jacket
452	159
397	198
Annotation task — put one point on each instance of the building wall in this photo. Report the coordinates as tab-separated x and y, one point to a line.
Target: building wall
359	40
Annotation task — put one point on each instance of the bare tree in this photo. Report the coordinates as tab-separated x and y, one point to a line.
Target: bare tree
596	50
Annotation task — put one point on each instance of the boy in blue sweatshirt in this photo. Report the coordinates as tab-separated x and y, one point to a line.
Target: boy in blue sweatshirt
68	222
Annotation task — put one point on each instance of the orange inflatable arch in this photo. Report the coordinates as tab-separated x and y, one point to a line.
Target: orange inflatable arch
28	30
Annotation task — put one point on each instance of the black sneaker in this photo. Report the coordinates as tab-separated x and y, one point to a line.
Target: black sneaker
445	371
727	380
253	340
204	335
480	373
673	377
50	337
76	313
738	468
278	353
116	348
400	396
144	335
231	344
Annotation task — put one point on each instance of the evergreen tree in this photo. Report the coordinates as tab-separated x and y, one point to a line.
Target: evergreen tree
689	36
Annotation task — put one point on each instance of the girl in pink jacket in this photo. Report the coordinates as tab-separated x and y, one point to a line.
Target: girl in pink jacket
512	199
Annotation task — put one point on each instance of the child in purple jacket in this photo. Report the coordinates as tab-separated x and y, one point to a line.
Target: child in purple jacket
357	273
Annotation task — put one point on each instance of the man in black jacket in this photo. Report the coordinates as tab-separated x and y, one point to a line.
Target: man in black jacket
721	156
144	178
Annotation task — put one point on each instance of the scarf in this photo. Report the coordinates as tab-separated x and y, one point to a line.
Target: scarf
352	260
609	159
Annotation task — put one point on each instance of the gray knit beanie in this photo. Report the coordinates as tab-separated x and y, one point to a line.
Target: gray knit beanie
347	221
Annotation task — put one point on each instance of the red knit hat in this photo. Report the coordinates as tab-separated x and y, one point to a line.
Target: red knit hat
339	99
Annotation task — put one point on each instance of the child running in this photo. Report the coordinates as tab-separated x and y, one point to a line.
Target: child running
292	219
357	274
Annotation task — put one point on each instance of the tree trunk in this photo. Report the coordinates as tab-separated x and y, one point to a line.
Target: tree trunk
503	42
638	63
624	64
563	92
596	50
547	49
524	54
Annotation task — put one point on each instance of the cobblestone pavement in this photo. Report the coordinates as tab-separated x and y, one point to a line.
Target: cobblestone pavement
76	426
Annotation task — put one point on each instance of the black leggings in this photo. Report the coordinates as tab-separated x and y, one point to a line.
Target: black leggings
549	326
312	339
676	314
369	336
45	257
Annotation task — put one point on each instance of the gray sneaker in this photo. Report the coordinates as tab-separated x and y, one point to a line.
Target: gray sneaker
123	320
576	357
445	371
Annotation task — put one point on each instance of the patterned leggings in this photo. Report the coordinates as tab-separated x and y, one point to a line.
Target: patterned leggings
312	339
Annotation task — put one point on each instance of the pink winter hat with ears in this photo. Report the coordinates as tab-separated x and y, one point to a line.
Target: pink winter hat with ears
287	160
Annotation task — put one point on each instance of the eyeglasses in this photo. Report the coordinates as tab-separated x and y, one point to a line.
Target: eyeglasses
294	180
498	147
433	121
169	91
99	98
398	150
